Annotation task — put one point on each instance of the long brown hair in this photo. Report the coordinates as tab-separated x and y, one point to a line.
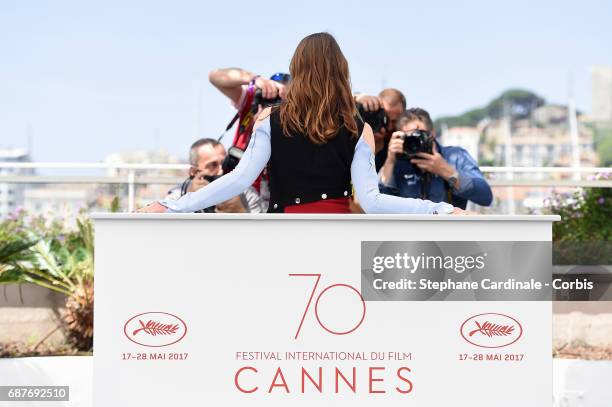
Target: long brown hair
319	99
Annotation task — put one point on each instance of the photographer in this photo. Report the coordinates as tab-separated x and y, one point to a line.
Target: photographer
248	93
417	166
318	148
235	84
390	101
206	157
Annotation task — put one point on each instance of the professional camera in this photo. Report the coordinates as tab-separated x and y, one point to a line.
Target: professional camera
258	100
417	141
185	184
234	154
211	178
377	119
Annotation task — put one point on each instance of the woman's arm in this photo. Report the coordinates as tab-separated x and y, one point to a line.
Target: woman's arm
365	181
228	186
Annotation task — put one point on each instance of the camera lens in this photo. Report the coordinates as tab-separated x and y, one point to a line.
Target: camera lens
412	145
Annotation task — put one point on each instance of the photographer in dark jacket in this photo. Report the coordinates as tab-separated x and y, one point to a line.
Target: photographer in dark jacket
393	103
442	174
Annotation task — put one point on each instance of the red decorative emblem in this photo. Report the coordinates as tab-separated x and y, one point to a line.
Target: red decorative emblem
155	329
491	330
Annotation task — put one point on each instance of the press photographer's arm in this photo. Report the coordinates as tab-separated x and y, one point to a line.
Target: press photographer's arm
230	82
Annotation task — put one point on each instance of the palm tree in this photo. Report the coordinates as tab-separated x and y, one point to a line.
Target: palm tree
64	268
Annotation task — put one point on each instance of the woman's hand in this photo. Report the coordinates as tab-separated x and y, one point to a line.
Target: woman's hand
154	207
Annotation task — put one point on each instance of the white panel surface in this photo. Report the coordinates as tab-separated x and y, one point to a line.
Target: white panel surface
227	278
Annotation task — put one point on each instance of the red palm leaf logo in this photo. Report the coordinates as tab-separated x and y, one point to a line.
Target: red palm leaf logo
156	328
489	329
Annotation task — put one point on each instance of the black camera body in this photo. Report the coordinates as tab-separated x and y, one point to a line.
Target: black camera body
258	100
377	119
211	178
417	141
234	154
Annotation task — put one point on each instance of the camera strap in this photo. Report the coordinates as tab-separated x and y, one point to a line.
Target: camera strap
231	123
449	192
185	187
246	119
425	185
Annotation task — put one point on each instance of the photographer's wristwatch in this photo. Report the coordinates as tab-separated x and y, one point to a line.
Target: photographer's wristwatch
452	180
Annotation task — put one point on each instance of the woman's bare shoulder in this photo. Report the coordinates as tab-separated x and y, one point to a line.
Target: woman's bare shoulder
262	117
368	136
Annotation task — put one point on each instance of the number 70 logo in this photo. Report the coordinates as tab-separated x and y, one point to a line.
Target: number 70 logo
328	290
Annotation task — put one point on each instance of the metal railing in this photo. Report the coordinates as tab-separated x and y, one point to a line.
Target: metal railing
130	177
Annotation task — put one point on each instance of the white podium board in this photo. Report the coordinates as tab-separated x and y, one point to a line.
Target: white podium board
269	310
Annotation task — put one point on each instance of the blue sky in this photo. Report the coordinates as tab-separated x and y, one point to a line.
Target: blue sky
87	79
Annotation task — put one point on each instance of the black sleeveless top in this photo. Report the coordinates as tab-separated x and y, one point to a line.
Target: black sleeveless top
303	172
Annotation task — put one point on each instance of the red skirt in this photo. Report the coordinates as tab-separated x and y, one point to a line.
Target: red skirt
336	205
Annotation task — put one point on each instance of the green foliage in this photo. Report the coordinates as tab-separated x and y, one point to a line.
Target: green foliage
12	252
585	215
39	252
483	162
583	236
603	145
467	119
515	102
43	252
115	205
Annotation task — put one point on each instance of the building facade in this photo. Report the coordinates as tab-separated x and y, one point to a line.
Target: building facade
11	193
601	93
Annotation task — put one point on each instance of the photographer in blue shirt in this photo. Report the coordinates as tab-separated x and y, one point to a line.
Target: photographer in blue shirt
417	166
